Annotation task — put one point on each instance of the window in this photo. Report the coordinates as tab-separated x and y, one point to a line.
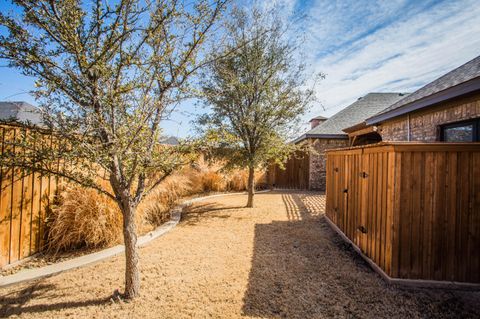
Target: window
467	131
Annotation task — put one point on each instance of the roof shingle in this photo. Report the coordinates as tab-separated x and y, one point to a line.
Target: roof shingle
20	112
355	113
462	74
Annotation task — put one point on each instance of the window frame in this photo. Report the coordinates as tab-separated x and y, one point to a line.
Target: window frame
475	126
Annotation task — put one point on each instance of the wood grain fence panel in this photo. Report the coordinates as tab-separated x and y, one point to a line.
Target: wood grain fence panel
463	207
357	199
380	199
5	198
375	211
25	237
391	223
428	214
8	177
439	219
413	228
24	197
16	204
419	206
474	224
452	224
295	174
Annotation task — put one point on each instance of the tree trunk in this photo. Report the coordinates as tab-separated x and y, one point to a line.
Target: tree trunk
251	185
132	275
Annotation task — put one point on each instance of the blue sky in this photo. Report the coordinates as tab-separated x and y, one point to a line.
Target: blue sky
361	46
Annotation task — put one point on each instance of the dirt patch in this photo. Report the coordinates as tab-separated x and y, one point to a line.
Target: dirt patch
278	260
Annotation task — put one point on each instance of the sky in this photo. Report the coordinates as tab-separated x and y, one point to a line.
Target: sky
362	46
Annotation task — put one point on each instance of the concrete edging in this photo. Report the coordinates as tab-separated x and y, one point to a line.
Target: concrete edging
409	283
50	270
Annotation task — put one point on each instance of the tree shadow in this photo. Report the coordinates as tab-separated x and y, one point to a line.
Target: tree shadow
16	303
301	268
194	214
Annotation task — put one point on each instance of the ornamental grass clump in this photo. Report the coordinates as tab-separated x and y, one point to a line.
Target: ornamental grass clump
155	210
83	218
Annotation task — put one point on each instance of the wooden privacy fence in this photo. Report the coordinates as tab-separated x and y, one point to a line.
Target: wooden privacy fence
294	176
24	199
411	208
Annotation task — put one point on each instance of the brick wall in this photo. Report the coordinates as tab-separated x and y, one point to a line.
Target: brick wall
317	180
424	125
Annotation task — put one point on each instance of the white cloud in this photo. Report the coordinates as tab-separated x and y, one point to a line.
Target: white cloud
387	46
380	46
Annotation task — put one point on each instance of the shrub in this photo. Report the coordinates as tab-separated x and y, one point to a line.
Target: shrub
83	217
155	209
238	180
212	181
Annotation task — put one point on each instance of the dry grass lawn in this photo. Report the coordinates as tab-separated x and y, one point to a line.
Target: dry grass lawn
278	260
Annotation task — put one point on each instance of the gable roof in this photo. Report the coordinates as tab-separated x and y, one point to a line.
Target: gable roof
356	112
319	118
22	112
462	80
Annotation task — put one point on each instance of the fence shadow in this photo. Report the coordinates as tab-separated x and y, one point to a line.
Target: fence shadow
302	269
16	303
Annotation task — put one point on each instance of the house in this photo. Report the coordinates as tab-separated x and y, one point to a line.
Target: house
447	109
21	112
308	171
169	140
314	122
410	205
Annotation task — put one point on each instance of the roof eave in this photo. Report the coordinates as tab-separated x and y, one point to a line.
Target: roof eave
325	136
442	96
355	127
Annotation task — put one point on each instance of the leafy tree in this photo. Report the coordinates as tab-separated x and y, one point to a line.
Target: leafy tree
256	94
107	75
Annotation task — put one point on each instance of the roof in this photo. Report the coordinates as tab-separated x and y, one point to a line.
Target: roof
20	112
460	81
169	140
409	146
364	107
319	118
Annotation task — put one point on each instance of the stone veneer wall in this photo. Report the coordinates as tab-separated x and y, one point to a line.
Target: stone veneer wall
318	167
424	125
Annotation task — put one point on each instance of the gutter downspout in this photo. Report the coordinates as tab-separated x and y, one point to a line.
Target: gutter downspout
408	127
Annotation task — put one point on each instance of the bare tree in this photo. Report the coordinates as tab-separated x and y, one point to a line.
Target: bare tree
256	94
107	75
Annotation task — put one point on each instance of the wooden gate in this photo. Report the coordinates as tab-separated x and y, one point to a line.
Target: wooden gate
412	208
295	175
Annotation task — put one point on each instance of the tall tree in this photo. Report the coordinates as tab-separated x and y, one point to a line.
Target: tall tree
257	94
107	75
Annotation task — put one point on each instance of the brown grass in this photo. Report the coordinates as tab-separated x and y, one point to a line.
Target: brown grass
277	260
86	218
